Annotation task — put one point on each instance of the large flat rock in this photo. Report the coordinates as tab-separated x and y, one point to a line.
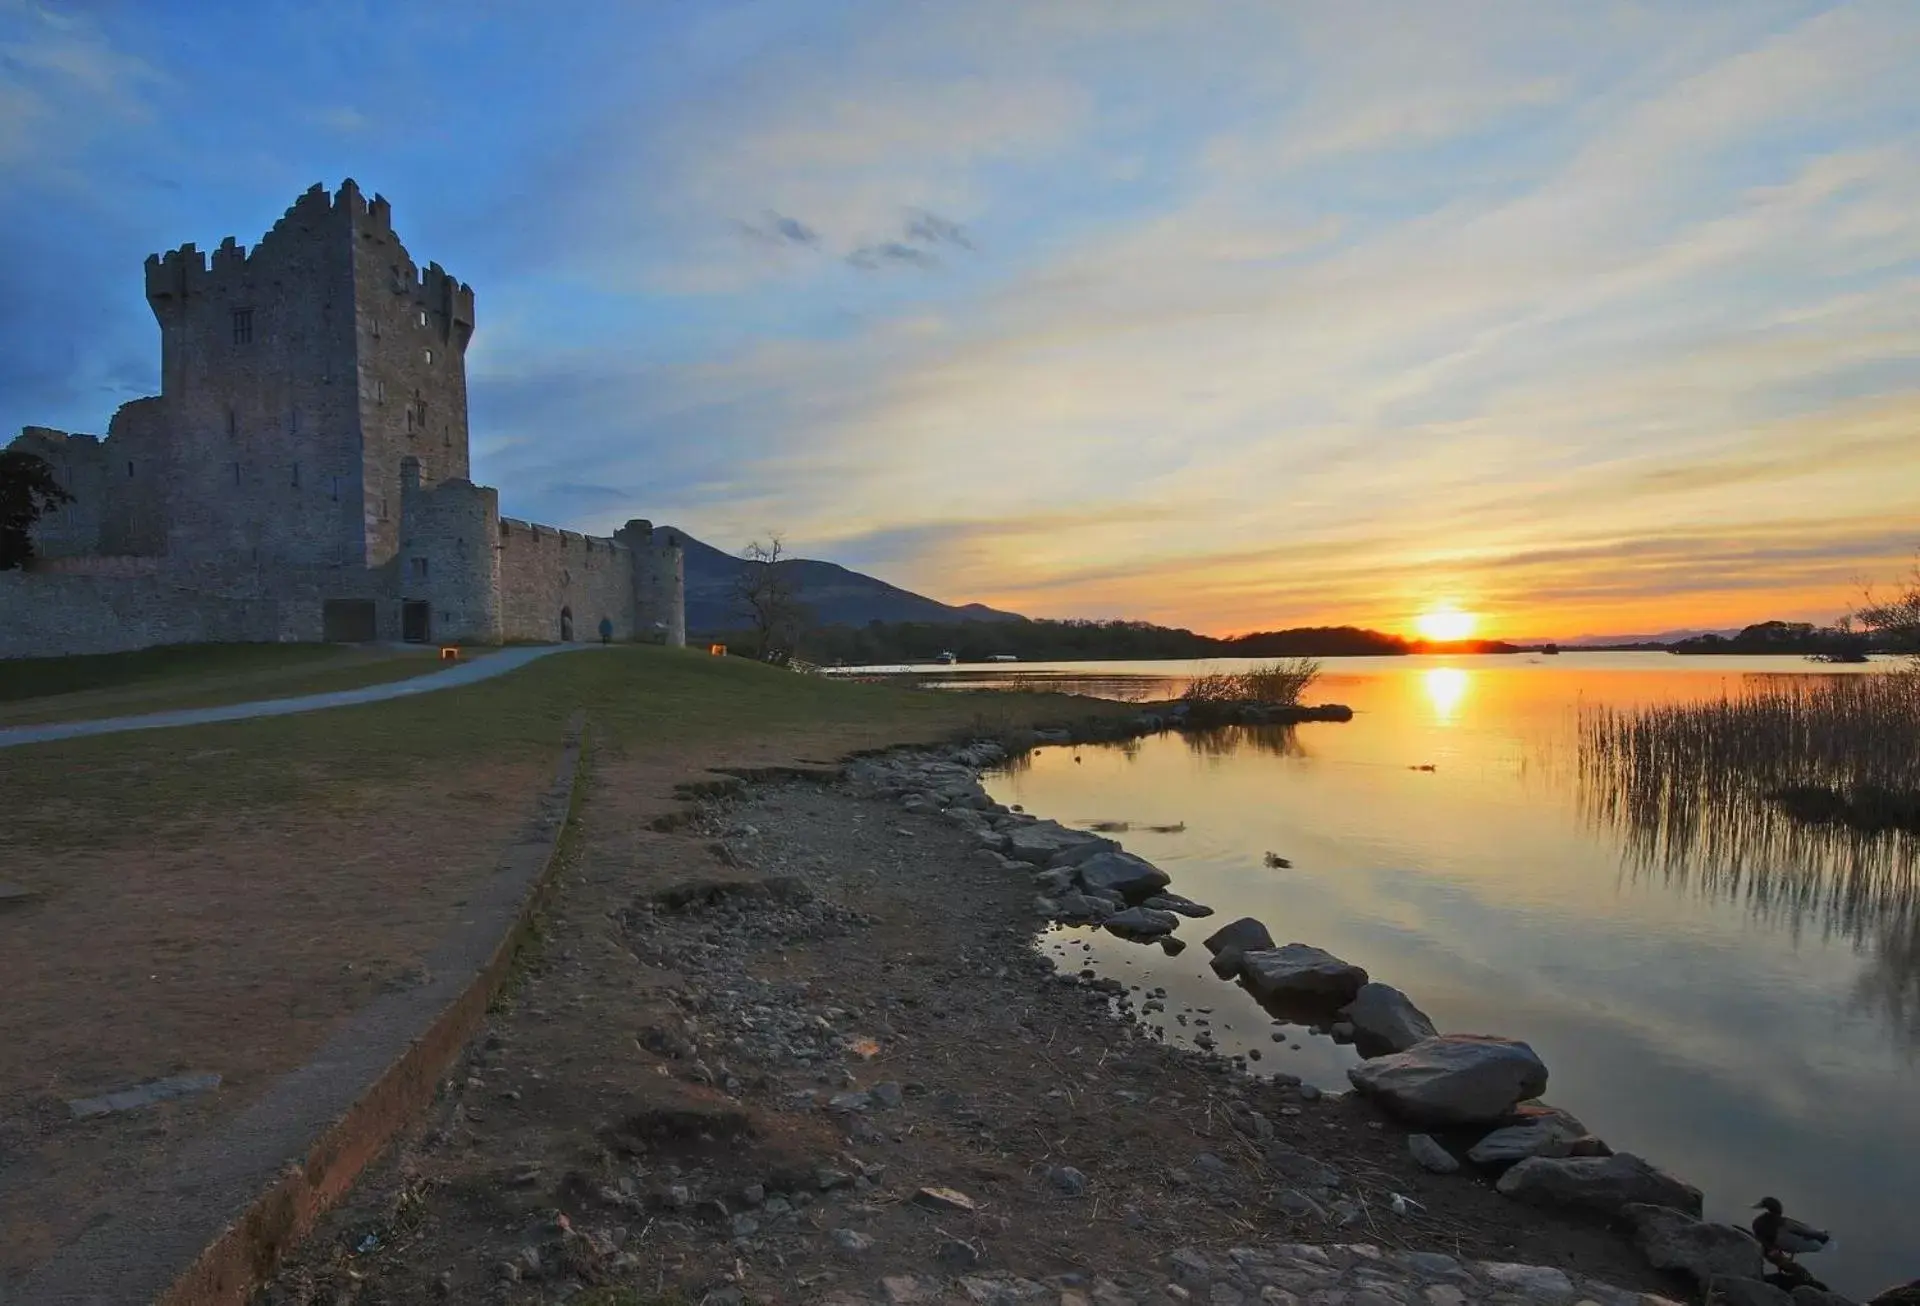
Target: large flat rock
1604	1185
1453	1079
1385	1020
1131	877
1675	1240
1300	973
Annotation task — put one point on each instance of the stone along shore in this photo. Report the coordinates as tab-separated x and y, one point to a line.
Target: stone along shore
796	1045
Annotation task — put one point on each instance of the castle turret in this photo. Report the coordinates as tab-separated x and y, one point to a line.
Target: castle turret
659	583
449	559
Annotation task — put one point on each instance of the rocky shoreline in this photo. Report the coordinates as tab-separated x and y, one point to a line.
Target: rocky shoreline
1479	1094
795	1044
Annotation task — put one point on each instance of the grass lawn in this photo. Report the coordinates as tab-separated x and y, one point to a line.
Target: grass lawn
35	691
221	897
106	789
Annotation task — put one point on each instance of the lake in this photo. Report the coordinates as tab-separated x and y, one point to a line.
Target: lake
1730	995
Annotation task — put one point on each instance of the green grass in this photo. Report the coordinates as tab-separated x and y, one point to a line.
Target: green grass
105	790
22	678
213	679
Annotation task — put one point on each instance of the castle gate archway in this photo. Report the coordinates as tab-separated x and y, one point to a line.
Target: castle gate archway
566	625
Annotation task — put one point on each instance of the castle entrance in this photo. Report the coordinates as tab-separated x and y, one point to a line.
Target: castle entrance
347	621
566	625
416	621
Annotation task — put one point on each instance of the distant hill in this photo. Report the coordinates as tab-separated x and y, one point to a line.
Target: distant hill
835	595
1663	637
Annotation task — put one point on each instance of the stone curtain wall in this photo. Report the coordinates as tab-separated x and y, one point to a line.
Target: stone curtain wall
543	570
53	614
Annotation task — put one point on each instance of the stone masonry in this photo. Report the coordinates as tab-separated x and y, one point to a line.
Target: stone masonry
303	474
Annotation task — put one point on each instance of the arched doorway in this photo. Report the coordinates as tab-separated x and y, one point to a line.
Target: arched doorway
566	625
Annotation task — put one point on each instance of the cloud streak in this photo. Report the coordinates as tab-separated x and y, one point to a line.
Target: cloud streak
1585	316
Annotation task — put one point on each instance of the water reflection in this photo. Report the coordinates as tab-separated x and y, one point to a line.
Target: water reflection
1698	825
1714	985
1224	741
1445	688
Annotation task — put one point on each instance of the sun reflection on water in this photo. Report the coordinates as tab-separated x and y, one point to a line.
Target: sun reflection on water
1445	688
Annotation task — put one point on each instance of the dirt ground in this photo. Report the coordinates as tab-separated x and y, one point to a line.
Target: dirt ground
750	1039
233	950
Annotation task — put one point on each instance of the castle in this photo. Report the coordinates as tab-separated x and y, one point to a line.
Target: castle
303	473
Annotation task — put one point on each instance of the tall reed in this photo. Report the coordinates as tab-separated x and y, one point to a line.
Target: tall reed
1281	682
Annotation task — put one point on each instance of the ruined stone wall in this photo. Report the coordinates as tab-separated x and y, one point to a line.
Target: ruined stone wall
412	329
78	464
258	391
139	471
544	571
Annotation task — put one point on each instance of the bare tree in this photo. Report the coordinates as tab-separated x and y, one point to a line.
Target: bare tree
768	592
1894	623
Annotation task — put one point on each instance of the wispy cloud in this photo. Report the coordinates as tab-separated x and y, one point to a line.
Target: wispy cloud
1232	315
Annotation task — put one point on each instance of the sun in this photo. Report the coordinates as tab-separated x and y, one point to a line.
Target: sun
1446	624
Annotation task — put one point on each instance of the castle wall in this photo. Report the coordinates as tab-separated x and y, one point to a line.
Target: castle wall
449	556
543	571
259	394
48	614
411	330
306	458
659	583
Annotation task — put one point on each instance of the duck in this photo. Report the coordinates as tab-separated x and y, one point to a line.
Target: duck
1781	1235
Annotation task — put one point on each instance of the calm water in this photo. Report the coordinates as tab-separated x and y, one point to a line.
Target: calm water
1733	997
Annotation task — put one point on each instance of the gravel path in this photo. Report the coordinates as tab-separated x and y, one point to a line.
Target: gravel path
462	673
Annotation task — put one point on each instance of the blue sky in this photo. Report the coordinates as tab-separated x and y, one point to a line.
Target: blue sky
1583	316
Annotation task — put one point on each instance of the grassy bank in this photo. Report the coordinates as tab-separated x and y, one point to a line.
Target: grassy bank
35	691
104	790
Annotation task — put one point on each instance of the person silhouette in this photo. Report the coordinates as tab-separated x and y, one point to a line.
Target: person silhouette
606	630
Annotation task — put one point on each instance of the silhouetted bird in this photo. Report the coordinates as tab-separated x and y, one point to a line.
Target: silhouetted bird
1781	1235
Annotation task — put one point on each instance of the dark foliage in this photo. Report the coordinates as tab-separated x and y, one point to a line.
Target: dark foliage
27	493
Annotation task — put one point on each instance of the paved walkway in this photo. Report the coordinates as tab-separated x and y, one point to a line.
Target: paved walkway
463	673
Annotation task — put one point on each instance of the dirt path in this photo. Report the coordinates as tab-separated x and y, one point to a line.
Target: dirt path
751	1041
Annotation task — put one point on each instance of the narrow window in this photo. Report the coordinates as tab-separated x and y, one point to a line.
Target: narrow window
129	469
383	507
296	476
236	473
242	326
335	495
293	422
423	322
380	392
409	421
419	568
429	356
233	424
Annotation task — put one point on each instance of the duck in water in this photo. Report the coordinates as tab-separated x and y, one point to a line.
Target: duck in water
1781	1236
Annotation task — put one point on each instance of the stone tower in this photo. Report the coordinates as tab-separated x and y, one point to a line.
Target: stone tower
297	378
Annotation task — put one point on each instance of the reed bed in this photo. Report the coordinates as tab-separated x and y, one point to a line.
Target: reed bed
1799	797
1850	736
1280	683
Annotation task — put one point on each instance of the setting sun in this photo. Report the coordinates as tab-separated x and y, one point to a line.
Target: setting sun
1446	624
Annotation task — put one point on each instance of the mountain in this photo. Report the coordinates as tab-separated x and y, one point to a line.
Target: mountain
835	595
